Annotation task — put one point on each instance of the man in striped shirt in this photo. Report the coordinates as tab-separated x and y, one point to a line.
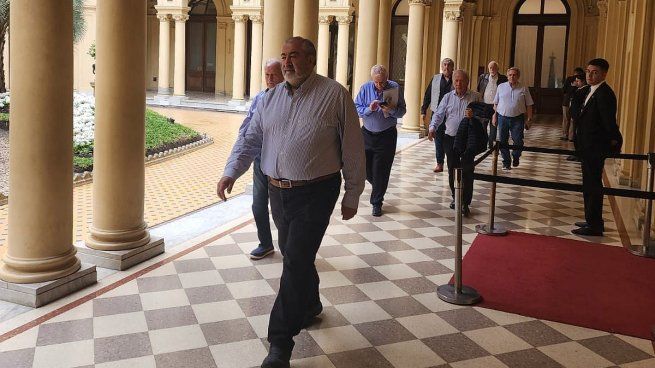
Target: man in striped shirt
307	131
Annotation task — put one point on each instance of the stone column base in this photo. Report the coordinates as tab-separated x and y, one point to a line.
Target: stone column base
121	259
402	133
41	293
164	91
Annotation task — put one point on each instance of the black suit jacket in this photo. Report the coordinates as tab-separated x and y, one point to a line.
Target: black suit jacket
596	125
483	80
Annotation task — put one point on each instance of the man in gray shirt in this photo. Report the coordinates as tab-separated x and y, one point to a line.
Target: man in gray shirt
308	133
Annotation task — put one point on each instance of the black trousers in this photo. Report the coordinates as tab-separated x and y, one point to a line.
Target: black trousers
301	215
592	189
380	151
453	161
493	131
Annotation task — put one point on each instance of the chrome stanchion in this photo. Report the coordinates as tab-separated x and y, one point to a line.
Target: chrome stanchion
647	249
490	228
458	293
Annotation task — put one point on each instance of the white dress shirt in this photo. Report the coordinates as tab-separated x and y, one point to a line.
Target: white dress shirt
592	91
490	90
512	101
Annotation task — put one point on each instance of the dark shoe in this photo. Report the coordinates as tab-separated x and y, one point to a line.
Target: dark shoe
515	162
466	211
571	158
452	205
506	168
261	252
585	224
377	210
312	314
438	168
277	358
587	231
564	138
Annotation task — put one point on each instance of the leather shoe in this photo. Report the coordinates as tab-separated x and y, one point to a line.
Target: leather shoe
277	358
377	210
438	168
585	224
587	231
466	211
452	205
312	314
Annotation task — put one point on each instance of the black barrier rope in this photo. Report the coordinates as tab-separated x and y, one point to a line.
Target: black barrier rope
560	151
483	157
561	186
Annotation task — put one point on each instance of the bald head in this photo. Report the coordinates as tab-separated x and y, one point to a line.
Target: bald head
493	68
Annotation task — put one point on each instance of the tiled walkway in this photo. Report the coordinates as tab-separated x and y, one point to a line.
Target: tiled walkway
208	306
174	187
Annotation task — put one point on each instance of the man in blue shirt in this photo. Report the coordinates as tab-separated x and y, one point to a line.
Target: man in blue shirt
380	112
273	75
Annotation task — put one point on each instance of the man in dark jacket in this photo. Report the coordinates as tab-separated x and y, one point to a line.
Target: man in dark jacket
487	86
568	91
597	135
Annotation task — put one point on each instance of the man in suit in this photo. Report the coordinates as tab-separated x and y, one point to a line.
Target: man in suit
439	86
568	91
487	86
597	135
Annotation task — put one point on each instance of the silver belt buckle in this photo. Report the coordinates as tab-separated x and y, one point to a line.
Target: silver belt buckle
285	184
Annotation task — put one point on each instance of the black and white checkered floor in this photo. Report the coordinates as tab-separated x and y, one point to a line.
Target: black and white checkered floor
209	308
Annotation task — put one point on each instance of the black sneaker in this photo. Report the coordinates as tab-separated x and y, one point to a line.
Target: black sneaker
506	168
515	162
261	252
452	205
311	314
377	210
277	358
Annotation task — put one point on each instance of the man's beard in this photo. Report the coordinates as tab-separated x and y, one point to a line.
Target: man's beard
294	78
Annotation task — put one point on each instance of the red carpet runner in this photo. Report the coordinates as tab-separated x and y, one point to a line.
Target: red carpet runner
584	284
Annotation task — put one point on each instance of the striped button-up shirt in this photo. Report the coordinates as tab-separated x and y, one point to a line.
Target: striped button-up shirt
452	107
303	135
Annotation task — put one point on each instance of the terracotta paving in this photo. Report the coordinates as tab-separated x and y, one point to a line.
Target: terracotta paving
176	186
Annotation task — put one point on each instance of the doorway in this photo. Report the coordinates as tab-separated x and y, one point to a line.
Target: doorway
201	47
540	40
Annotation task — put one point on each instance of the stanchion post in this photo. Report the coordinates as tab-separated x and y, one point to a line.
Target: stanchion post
490	228
458	293
647	249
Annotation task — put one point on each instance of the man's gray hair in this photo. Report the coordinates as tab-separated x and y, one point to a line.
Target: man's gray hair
307	46
273	61
379	69
447	61
494	63
516	69
460	71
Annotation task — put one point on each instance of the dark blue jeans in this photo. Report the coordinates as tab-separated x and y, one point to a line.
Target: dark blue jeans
438	143
302	215
260	205
511	126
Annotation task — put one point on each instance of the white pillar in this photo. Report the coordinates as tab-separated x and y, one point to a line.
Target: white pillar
305	13
414	65
180	54
239	81
342	49
164	54
323	52
367	42
452	15
256	54
384	33
278	26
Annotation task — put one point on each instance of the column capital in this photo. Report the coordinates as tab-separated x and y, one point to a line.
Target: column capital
452	15
420	2
240	18
602	7
257	18
164	17
181	17
344	19
325	19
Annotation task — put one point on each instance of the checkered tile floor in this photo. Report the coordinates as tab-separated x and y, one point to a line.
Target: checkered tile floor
209	308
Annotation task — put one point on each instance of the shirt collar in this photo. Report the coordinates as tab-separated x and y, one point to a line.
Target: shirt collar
594	88
303	86
468	93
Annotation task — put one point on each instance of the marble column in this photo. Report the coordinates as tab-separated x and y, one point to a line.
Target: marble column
367	45
452	15
256	62
40	243
384	33
414	64
163	79
323	52
179	83
278	26
239	81
602	26
305	14
343	42
119	162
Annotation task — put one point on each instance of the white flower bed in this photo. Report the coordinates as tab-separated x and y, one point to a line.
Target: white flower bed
84	111
84	107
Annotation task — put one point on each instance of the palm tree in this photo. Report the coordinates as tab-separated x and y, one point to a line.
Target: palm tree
79	27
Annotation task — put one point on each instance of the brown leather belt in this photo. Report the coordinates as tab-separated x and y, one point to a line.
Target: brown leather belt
287	184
